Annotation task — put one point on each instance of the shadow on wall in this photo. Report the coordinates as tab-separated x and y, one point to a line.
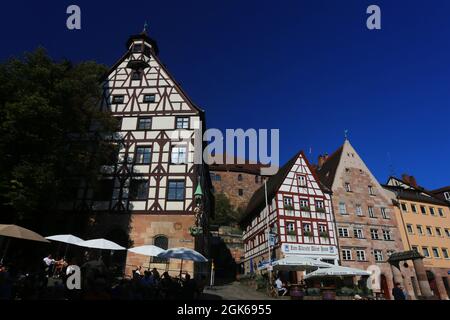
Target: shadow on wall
226	267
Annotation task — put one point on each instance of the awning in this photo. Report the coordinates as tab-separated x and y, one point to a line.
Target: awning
298	263
337	271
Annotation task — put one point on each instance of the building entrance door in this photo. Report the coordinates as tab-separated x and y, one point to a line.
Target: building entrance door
384	287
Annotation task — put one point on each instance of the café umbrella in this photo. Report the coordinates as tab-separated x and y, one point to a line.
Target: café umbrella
18	232
147	250
298	263
65	238
337	271
182	254
101	244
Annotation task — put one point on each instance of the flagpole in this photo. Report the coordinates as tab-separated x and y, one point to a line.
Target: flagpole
268	232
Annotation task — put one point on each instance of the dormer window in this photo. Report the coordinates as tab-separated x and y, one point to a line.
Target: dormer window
138	48
148	98
118	99
136	75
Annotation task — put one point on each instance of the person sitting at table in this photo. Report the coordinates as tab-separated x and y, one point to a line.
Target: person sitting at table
281	288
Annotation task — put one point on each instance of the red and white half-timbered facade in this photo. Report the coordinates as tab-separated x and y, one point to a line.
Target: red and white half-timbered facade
300	217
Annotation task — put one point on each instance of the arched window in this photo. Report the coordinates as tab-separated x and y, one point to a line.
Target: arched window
163	242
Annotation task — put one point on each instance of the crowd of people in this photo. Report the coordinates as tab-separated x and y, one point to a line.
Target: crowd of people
97	282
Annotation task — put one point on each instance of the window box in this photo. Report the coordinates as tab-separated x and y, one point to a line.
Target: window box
324	234
291	233
303	208
307	233
321	210
288	207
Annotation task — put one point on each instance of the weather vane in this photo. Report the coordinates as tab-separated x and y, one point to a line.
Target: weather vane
346	134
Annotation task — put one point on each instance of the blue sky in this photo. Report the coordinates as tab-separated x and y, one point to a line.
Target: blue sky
310	68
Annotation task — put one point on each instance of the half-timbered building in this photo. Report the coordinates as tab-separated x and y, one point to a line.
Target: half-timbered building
300	218
152	193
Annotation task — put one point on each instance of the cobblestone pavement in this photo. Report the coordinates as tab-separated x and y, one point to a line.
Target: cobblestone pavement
233	291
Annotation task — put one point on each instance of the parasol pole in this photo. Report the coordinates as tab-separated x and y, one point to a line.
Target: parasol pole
8	240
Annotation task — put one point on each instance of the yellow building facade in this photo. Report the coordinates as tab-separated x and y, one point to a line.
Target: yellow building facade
424	226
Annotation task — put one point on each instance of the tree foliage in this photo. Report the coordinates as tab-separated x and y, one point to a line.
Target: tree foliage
225	213
47	136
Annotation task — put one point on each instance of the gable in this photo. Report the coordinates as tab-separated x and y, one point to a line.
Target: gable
155	80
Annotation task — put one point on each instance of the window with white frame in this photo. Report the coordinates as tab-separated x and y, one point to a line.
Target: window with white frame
358	233
423	209
387	235
359	210
374	234
410	229
346	254
371	212
429	231
179	155
301	179
404	207
287	201
447	233
436	252
290	227
361	255
419	230
432	212
343	232
413	208
320	205
342	208
304	203
384	213
447	195
438	232
347	187
371	191
425	252
378	254
307	227
445	253
441	212
322	228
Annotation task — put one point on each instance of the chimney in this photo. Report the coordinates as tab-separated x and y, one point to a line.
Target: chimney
405	178
412	181
320	161
409	180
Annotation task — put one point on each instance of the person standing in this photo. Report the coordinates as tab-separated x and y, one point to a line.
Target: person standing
398	293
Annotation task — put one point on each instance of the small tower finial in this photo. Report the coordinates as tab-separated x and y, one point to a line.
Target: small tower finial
145	28
346	134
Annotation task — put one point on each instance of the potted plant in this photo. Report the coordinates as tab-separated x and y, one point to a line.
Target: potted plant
289	207
324	234
313	294
305	208
291	233
345	293
307	233
321	210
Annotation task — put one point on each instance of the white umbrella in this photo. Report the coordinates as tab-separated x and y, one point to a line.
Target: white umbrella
100	244
299	263
337	271
183	254
65	238
147	250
